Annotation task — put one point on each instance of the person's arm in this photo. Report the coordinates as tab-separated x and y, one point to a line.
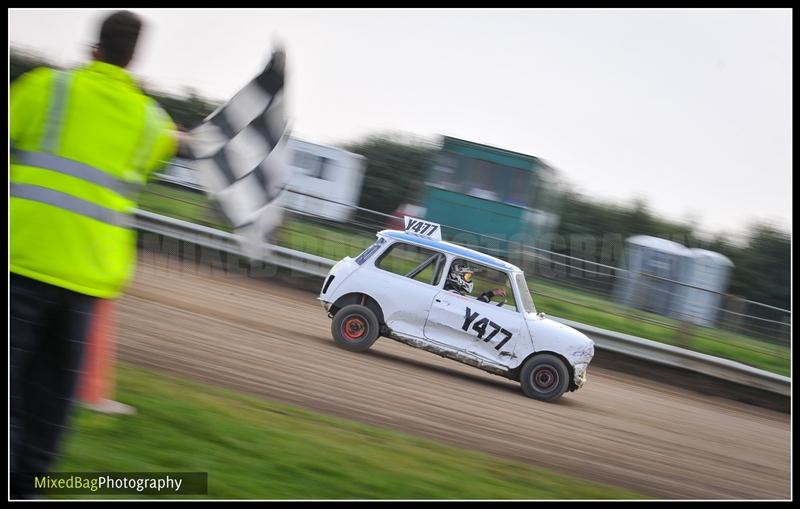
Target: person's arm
487	296
166	143
183	142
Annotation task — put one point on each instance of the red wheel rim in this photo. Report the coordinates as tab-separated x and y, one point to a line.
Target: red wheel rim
354	328
544	377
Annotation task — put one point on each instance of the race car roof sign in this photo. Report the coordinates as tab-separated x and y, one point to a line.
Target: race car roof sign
423	228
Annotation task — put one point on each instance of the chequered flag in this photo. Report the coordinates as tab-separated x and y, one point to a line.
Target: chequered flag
240	149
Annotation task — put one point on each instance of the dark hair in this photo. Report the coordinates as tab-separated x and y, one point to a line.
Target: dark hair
118	36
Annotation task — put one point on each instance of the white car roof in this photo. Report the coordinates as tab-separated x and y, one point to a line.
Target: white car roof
447	247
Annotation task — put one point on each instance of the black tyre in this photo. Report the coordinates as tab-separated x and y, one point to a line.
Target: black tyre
355	328
544	377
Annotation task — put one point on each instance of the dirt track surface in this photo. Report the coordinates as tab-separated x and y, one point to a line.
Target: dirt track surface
275	341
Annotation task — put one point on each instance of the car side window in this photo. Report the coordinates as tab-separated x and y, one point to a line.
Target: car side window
413	262
486	279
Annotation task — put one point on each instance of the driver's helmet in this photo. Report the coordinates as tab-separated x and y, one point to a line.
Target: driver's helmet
460	278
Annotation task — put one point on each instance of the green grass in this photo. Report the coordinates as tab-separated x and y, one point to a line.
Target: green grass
181	204
258	449
593	310
326	241
580	306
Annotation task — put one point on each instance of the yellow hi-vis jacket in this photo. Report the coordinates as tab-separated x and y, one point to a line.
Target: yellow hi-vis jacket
83	143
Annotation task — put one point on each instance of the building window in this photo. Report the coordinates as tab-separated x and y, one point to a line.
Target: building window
312	165
444	172
517	187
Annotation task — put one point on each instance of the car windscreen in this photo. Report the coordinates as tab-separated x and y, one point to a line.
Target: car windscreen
370	250
524	294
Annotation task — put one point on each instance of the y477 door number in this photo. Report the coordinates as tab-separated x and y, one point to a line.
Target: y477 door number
479	326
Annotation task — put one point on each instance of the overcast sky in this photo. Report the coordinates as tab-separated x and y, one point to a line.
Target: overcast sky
687	109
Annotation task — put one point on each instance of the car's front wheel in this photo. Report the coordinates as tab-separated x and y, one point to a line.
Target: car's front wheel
355	328
544	377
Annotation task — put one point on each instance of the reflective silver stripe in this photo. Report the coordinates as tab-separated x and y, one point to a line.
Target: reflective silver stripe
76	169
55	117
71	203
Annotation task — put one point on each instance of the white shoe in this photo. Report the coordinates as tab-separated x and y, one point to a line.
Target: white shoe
109	406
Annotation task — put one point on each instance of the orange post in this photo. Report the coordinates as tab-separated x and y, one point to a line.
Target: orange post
97	380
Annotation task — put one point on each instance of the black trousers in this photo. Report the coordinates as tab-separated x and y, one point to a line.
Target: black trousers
49	327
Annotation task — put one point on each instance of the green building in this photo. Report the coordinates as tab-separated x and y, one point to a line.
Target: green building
490	191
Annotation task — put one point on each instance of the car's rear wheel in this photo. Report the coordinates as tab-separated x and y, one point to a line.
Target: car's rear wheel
544	377
355	328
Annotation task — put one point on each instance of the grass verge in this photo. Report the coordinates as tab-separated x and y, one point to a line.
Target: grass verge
258	449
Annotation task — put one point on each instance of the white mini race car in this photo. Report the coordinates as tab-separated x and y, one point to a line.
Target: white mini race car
412	287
